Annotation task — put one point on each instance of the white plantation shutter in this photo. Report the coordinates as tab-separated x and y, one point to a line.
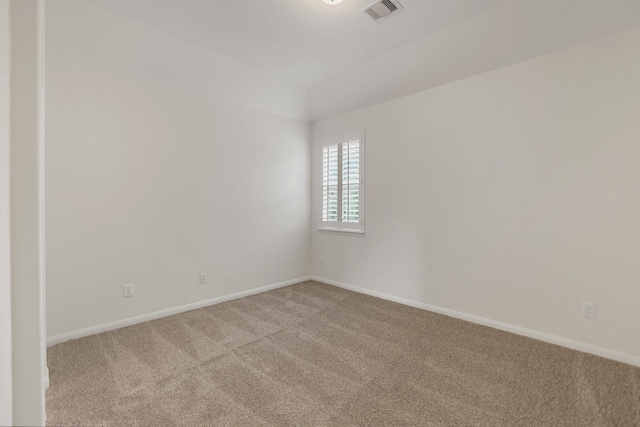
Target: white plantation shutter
342	184
330	163
351	181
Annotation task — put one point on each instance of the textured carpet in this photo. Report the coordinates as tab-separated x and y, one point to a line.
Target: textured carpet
316	355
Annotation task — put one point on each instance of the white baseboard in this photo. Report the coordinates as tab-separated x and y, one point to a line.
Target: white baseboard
56	339
542	336
46	377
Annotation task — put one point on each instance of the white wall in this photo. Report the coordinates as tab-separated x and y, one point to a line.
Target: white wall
164	160
511	195
28	352
6	389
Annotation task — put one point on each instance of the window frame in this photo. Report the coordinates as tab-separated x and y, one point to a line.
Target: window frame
339	227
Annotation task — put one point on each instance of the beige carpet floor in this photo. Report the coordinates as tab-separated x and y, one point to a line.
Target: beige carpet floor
316	355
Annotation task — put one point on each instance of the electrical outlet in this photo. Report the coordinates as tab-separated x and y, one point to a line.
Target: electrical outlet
588	309
203	278
128	290
321	260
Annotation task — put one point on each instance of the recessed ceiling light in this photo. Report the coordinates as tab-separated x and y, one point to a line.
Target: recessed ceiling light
332	2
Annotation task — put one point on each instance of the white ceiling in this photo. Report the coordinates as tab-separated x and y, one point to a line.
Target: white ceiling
344	61
304	42
513	31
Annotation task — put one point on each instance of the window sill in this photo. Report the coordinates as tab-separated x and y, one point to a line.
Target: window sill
341	231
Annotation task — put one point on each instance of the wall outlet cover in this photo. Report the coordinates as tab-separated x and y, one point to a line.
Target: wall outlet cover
589	309
128	291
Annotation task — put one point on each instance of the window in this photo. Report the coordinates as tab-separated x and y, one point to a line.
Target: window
343	184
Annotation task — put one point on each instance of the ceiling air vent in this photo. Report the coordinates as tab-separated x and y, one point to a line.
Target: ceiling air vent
381	9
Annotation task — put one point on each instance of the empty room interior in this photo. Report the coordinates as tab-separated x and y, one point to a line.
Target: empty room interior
321	213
